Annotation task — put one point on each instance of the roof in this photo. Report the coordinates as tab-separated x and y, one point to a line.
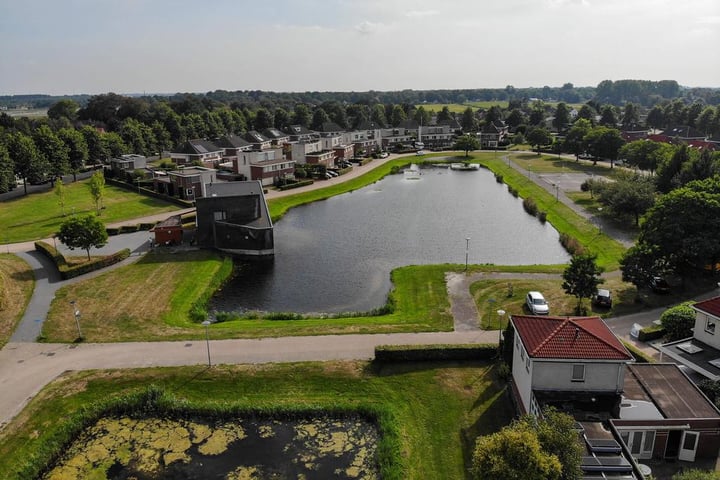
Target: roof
255	137
234	189
683	131
710	306
669	389
232	141
569	338
196	146
331	127
274	133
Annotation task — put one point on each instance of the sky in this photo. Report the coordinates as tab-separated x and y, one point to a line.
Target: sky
62	47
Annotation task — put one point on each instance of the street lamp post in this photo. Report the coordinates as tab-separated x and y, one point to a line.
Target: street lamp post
76	314
557	191
206	323
501	316
599	220
467	247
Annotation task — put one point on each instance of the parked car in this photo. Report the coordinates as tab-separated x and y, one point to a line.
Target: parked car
659	285
332	174
536	303
384	155
603	298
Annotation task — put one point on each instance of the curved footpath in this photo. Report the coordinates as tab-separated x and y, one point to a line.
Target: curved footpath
26	367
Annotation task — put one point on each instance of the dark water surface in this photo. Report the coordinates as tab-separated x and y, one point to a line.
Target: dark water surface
336	255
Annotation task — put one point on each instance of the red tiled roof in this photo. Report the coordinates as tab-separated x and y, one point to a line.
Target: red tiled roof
711	306
569	337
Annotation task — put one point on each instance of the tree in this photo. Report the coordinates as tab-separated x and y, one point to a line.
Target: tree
60	190
65	108
97	189
574	140
7	175
588	113
682	229
263	119
646	155
557	436
656	117
113	144
84	232
694	474
467	142
444	115
53	149
562	117
513	453
96	147
515	118
30	164
640	263
630	116
668	172
319	118
468	120
397	115
422	116
629	194
581	278
377	115
301	115
678	321
77	149
604	142
607	116
538	137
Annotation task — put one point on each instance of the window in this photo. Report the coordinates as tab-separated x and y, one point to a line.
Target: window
710	326
578	374
527	364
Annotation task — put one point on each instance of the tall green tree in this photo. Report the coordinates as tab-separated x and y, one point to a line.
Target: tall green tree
30	164
7	175
562	117
319	118
678	321
538	137
377	115
96	148
604	142
468	120
422	116
84	232
263	119
65	108
53	149
668	173
113	144
77	149
444	115
397	116
60	192
631	115
97	189
557	435
581	278
301	115
467	142
646	155
630	194
574	140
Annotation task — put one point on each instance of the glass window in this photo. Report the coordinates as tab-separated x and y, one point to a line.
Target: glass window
578	374
710	326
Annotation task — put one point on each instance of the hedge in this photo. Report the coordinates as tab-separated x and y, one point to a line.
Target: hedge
150	193
67	272
652	332
290	186
419	353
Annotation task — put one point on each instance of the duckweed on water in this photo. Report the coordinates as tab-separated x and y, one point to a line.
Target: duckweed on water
233	449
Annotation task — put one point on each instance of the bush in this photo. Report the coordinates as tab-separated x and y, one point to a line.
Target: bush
67	272
678	321
542	216
289	186
513	191
571	244
530	206
498	178
652	332
111	231
129	228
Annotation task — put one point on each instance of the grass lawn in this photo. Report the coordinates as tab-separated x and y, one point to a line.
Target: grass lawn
37	216
16	287
153	299
433	411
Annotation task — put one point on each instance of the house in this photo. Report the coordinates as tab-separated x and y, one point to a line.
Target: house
257	140
197	151
185	183
233	217
492	134
566	359
701	352
625	411
311	151
232	145
277	137
299	133
437	136
127	164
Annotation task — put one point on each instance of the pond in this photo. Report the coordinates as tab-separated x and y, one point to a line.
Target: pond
153	449
336	255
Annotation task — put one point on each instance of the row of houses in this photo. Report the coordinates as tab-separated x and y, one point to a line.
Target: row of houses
628	414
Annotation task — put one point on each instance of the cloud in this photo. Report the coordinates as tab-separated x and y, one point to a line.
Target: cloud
366	28
710	20
421	13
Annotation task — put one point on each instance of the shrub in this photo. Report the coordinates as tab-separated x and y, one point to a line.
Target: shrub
530	206
129	228
653	332
571	244
542	216
513	191
678	321
295	185
498	178
111	231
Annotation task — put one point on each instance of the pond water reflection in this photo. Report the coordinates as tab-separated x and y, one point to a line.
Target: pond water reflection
336	255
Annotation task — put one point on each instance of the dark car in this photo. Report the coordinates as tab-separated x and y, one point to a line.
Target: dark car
659	285
603	298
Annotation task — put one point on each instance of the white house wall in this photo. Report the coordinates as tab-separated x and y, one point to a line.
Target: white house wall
522	373
705	331
557	375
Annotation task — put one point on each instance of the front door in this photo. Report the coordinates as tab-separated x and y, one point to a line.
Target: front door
640	442
688	446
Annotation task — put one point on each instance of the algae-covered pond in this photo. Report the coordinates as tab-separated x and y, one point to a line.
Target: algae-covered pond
154	448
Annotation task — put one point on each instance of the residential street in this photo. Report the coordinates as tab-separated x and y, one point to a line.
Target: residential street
26	367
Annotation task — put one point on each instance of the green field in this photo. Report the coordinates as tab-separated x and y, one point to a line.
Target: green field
38	215
430	414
